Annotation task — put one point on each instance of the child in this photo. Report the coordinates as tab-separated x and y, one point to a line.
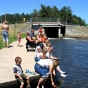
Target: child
19	38
18	72
50	56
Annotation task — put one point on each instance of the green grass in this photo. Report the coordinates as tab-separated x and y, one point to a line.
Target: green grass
11	39
13	32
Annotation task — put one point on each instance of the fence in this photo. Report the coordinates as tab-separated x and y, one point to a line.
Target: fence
45	19
13	28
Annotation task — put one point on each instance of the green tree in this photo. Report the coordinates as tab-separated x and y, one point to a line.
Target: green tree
66	14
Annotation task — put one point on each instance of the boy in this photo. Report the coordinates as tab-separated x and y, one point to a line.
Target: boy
18	72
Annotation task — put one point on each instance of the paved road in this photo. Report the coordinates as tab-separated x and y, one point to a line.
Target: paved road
7	57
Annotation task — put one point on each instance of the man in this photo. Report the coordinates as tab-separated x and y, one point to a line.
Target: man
32	35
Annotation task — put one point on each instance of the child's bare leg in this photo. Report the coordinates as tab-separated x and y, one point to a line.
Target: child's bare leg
22	84
40	81
59	70
18	44
44	82
28	82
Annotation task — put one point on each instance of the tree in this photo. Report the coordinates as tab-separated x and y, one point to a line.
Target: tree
66	14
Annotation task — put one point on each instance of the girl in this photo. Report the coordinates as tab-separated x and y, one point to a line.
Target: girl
19	38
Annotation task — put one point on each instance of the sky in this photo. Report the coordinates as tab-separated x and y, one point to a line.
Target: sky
78	7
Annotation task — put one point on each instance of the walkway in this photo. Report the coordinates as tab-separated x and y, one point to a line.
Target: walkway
7	60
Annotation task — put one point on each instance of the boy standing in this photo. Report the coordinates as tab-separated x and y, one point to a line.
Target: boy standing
18	72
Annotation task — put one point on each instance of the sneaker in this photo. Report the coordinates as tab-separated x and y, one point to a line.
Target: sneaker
63	75
62	72
27	71
31	72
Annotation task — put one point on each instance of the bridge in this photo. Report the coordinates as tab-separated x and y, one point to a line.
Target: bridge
55	29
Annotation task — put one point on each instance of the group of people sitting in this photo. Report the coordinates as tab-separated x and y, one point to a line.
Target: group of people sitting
33	40
46	64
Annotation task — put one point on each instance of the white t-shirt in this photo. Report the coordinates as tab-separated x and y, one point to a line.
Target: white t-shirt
48	55
39	54
36	50
45	62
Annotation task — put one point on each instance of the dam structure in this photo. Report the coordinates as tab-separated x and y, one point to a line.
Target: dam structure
53	29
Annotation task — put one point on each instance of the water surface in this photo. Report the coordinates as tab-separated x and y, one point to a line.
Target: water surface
73	55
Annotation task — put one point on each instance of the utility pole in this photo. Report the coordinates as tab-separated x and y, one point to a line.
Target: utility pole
66	21
5	15
37	9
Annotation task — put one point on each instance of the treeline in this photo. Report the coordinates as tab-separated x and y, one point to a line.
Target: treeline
64	14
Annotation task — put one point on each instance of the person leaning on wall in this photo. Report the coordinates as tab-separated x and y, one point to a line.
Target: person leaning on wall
5	33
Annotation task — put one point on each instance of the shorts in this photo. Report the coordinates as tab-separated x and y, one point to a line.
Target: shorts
36	59
5	38
23	76
43	71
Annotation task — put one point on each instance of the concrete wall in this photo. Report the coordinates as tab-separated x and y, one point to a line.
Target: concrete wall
16	84
75	33
33	83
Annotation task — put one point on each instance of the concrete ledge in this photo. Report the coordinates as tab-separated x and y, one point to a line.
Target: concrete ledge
33	83
15	83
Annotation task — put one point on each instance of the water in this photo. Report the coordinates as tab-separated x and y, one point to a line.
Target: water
73	55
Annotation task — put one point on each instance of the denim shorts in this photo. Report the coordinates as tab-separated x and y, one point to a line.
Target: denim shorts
36	59
43	71
5	38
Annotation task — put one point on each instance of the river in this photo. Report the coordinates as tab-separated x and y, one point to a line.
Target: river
73	55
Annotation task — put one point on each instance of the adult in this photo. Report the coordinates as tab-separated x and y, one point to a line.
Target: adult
5	33
30	42
40	30
32	35
41	37
44	67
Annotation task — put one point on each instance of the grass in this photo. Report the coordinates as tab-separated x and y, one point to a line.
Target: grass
11	39
13	33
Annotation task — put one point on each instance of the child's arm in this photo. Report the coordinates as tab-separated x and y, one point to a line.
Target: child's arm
17	75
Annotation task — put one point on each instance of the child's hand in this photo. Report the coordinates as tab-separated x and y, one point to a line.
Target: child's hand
53	85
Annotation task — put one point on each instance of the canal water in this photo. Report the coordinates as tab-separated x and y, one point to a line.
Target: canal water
73	55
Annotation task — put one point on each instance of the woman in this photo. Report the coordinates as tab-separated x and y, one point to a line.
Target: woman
5	30
44	67
30	42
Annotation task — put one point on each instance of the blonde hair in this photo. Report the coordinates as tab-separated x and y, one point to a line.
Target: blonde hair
27	32
18	59
5	22
55	62
50	47
45	50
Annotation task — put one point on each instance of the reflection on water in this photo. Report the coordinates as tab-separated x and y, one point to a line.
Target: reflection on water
74	61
